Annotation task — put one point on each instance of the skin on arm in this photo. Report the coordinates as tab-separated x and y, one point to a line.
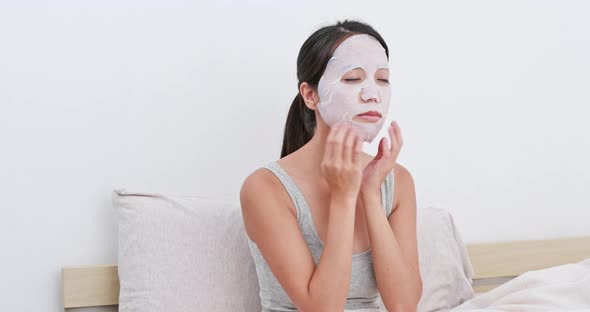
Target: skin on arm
403	224
393	240
273	226
270	223
403	218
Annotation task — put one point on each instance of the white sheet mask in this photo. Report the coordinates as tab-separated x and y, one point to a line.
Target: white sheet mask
341	100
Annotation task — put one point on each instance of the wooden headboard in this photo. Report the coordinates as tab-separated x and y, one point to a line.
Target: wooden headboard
493	263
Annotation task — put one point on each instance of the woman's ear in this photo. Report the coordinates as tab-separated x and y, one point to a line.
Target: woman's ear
310	96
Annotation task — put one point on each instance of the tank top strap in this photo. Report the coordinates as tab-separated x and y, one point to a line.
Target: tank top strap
298	200
288	184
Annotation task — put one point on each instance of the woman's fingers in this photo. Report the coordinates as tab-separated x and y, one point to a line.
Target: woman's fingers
355	146
331	146
348	146
399	134
344	145
341	130
380	148
392	142
358	148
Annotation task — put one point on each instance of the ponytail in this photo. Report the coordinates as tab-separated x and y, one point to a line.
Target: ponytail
299	127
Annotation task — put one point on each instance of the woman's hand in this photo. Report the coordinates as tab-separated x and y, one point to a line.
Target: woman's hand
341	165
375	172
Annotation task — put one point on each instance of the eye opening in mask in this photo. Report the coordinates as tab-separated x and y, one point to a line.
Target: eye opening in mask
382	75
354	75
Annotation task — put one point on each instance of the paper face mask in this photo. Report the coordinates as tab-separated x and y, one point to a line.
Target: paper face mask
343	100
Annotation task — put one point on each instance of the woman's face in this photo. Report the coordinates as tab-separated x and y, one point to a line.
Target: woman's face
356	81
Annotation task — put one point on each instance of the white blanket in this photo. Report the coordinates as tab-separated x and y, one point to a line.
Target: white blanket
561	288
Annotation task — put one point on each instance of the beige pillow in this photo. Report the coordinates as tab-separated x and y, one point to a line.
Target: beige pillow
183	253
444	263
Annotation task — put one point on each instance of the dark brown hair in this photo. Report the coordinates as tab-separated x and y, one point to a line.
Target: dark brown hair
312	60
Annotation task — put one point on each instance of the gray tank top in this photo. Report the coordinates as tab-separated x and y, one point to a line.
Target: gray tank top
362	293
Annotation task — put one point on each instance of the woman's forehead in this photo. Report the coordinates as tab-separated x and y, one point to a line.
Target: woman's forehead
357	51
361	47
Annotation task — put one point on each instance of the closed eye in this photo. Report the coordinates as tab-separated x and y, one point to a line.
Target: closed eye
384	80
352	79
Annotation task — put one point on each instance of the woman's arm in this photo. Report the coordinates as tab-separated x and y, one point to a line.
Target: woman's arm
270	223
273	227
393	241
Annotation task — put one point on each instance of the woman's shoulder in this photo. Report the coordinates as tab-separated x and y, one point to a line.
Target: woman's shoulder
262	195
261	179
403	183
401	174
263	184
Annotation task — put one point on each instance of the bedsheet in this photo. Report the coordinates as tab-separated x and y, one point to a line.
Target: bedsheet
560	288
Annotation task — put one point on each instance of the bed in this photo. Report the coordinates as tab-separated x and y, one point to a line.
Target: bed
494	264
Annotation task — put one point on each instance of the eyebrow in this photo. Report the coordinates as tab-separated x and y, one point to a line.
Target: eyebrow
348	68
353	67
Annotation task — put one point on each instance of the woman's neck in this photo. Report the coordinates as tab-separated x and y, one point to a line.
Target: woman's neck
309	157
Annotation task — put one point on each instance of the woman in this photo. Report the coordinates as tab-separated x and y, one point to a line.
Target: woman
327	226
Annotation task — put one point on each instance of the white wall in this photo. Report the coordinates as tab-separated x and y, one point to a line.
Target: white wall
189	98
